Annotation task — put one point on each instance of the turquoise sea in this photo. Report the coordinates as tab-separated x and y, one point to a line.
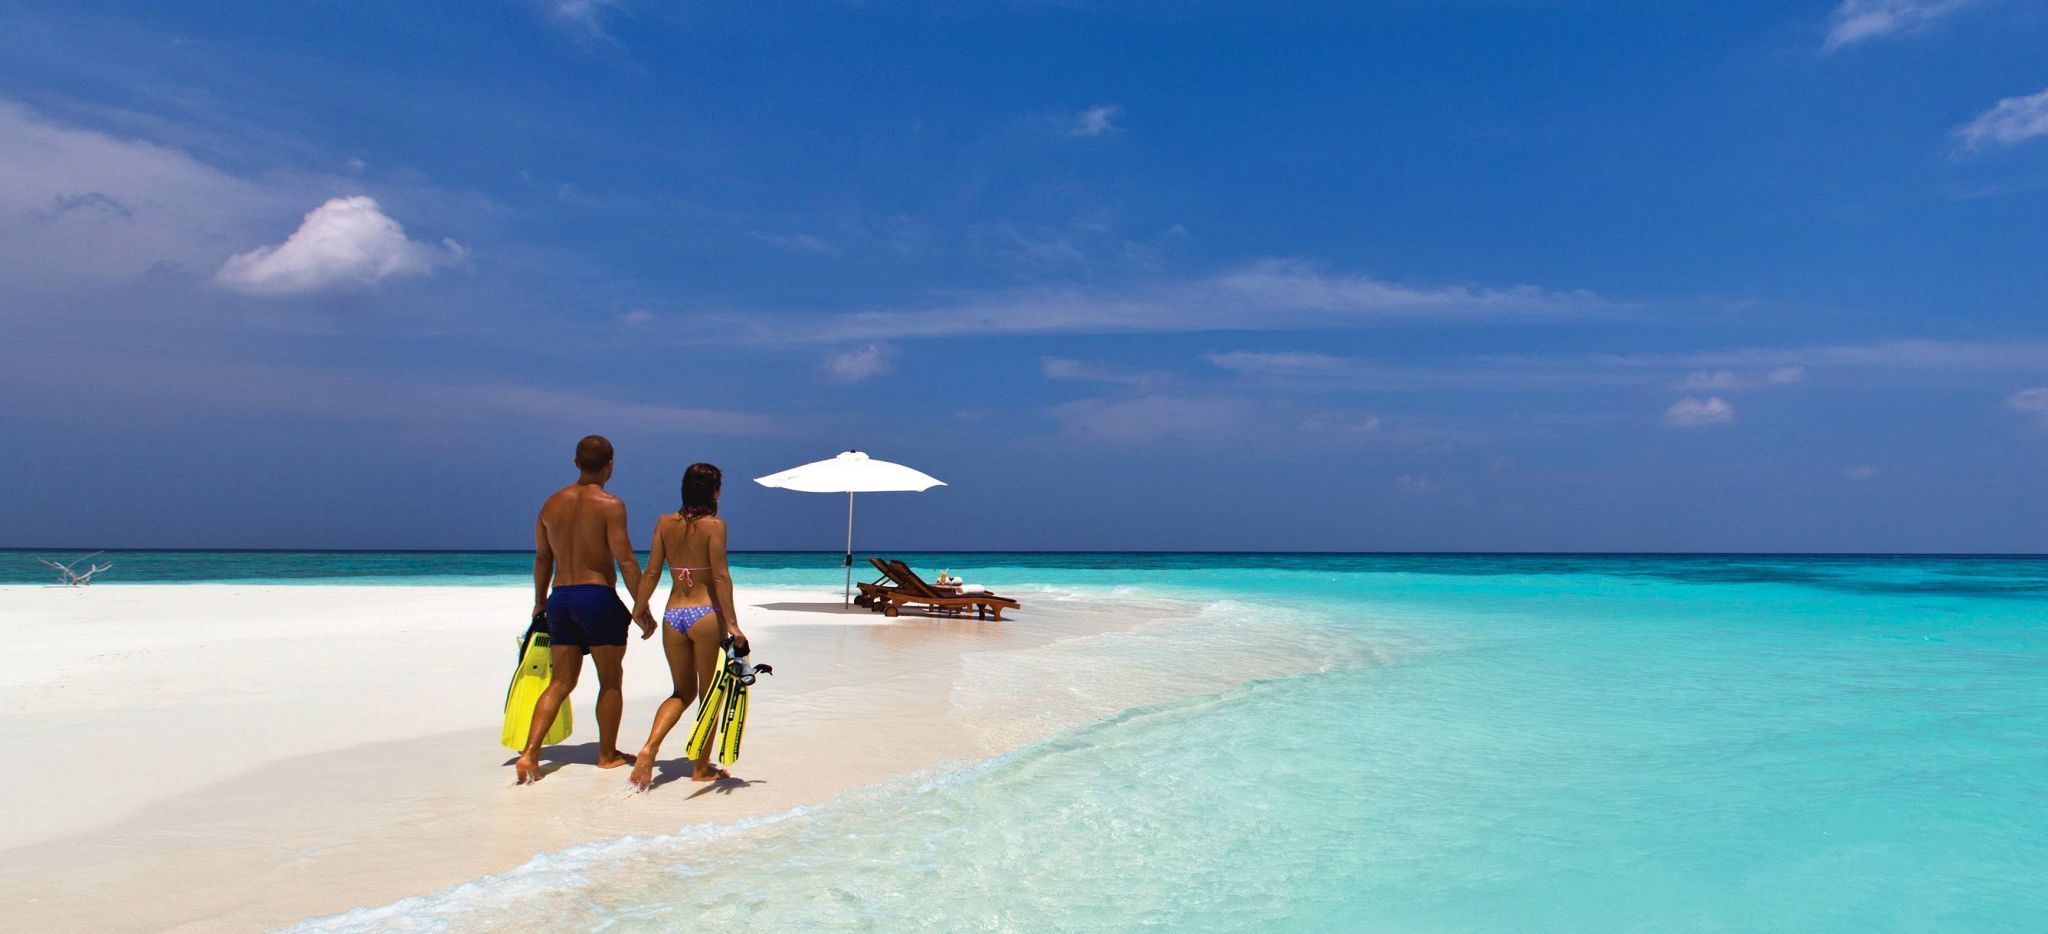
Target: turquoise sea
1483	742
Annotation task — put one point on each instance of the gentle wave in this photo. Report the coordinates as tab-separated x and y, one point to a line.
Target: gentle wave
1178	666
1024	695
855	861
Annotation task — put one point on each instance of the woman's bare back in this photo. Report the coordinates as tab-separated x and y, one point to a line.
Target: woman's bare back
687	543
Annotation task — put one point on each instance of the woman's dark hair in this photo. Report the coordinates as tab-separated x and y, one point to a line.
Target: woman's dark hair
700	491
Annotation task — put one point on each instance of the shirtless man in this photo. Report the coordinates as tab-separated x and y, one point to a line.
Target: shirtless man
579	538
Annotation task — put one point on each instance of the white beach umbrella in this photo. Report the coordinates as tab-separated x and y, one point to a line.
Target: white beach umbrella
849	473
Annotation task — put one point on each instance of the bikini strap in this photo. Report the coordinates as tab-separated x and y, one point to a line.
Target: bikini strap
689	522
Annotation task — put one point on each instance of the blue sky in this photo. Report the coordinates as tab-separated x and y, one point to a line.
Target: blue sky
1372	276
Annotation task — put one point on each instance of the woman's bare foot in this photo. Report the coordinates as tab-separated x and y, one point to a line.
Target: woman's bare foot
528	768
705	773
643	770
611	759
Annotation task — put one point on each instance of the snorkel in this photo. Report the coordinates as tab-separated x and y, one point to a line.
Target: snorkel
736	651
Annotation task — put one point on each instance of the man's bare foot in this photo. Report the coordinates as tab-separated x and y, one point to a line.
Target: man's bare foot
611	759
705	773
528	768
643	770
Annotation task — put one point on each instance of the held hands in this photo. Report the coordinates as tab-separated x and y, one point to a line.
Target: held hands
645	618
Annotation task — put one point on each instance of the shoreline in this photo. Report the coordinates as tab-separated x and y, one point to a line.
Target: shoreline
274	787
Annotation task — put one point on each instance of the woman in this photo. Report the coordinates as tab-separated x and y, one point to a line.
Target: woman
700	613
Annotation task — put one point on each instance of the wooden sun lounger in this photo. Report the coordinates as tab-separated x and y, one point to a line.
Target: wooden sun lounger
870	589
911	590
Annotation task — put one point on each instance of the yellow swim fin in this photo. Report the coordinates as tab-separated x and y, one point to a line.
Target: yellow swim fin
528	681
735	725
711	709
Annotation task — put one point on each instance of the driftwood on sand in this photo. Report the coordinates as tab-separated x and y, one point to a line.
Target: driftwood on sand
70	575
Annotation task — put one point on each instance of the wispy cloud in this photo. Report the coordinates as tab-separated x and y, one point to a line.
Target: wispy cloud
861	363
1860	472
1733	380
88	208
1063	368
1096	120
586	21
1214	421
2009	122
571	409
1896	354
1861	20
799	243
1154	419
1415	484
2032	400
1282	363
1271	295
1708	372
136	385
346	243
1348	424
1691	412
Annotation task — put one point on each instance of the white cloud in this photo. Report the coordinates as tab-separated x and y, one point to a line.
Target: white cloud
1415	484
1152	419
1691	412
2034	399
1341	423
1899	354
636	316
1281	363
1857	20
1096	120
1216	421
135	384
2010	121
1731	379
586	21
799	243
1693	372
1061	368
82	207
1864	472
343	244
568	408
1712	379
861	363
1270	295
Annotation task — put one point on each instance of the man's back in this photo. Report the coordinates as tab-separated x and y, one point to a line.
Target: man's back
577	542
578	521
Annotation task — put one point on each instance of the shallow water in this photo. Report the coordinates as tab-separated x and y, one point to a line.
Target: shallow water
1481	742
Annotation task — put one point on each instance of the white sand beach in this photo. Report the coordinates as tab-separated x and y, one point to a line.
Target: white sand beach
224	757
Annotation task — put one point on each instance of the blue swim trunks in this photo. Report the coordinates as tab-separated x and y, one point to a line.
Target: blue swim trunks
586	615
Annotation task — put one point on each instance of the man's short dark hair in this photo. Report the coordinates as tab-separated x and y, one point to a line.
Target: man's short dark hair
593	453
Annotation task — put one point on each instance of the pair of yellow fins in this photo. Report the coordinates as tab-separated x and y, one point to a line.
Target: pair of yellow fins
528	681
723	712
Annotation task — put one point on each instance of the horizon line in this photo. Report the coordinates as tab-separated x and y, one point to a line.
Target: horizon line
1099	551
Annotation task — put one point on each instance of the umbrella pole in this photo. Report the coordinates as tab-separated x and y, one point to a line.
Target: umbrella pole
849	548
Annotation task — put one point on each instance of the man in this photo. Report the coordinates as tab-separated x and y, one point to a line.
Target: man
579	538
